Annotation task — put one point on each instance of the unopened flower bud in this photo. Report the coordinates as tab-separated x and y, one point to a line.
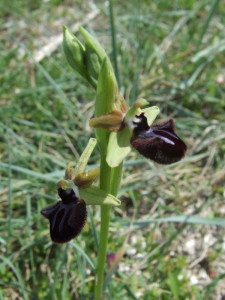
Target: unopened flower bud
75	52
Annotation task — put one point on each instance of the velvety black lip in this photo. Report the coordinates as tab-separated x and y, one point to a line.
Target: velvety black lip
67	217
158	142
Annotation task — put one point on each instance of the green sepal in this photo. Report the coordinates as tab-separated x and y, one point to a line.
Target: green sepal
95	196
151	113
82	163
118	147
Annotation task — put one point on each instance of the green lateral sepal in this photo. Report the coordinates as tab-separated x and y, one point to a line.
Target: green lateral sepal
151	113
95	196
118	147
82	163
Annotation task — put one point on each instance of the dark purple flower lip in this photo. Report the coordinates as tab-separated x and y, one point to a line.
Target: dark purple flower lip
158	142
66	217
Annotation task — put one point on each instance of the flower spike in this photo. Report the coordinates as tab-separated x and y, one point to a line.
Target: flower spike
158	142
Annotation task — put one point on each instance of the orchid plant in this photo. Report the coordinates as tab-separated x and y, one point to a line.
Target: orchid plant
118	129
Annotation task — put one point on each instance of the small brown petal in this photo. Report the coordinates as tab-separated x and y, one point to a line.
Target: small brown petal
85	179
112	121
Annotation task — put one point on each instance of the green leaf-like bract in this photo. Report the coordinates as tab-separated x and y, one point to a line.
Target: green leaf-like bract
107	92
74	52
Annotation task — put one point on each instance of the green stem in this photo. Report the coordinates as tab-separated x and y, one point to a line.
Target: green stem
109	181
105	217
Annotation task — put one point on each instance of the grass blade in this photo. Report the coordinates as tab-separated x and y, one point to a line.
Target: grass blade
17	274
28	172
87	258
206	25
197	220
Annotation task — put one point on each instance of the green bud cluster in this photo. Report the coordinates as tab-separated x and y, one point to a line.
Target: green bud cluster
85	59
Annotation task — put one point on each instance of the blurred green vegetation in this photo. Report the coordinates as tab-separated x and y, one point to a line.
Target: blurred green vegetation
172	54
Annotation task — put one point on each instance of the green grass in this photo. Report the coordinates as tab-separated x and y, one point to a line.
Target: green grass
172	54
